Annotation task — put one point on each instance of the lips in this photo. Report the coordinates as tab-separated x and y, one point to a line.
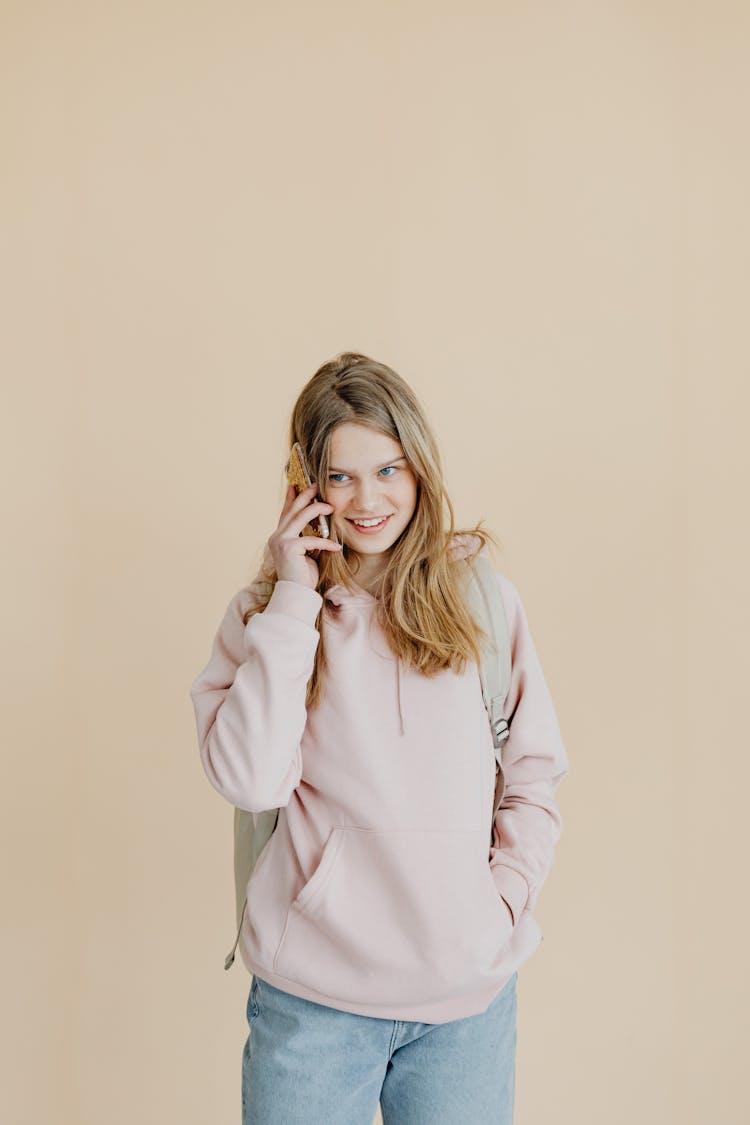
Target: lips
368	530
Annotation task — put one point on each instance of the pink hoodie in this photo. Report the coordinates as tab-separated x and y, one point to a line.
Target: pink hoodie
382	890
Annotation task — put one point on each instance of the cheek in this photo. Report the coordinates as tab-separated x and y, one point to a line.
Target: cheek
407	498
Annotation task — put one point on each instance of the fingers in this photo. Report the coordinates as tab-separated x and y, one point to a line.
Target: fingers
289	498
299	516
295	501
300	510
314	541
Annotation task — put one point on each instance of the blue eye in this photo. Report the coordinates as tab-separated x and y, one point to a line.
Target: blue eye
336	477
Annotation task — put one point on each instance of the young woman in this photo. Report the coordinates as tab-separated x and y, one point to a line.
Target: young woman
387	916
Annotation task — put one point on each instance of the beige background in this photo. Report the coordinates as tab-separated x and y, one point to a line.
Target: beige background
538	215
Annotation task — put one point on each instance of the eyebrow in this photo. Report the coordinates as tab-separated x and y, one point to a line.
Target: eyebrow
392	461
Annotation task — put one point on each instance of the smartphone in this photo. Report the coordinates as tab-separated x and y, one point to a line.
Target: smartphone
298	475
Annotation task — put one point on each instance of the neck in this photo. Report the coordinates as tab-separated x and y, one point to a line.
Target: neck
369	575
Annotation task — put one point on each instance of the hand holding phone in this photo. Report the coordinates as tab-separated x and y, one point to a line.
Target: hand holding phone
298	475
294	538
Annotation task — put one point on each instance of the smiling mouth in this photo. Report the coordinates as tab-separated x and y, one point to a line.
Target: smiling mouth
368	526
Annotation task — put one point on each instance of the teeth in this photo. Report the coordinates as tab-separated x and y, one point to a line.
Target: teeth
369	523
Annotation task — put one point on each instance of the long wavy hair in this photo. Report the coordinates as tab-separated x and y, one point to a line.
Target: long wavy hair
422	604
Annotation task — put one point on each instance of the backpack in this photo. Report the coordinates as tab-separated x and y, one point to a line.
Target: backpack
252	830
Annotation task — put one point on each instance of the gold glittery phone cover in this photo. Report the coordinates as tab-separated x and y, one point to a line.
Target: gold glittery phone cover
298	475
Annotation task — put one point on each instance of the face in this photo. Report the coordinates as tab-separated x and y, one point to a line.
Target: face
369	478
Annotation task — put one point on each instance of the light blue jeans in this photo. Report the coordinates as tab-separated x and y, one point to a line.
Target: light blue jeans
308	1064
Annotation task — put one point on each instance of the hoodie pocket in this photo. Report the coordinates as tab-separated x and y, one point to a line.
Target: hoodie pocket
396	916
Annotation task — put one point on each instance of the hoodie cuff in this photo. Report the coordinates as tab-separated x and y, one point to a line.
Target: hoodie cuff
295	600
513	888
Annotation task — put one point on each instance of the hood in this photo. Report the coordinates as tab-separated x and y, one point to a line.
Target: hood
339	595
344	598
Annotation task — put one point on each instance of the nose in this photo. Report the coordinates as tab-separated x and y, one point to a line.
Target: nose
366	498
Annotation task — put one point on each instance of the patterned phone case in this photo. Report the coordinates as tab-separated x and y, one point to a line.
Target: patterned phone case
298	475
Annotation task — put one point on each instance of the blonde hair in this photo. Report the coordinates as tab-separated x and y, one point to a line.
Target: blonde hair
422	604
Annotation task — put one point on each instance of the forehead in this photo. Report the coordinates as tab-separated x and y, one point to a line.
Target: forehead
355	445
